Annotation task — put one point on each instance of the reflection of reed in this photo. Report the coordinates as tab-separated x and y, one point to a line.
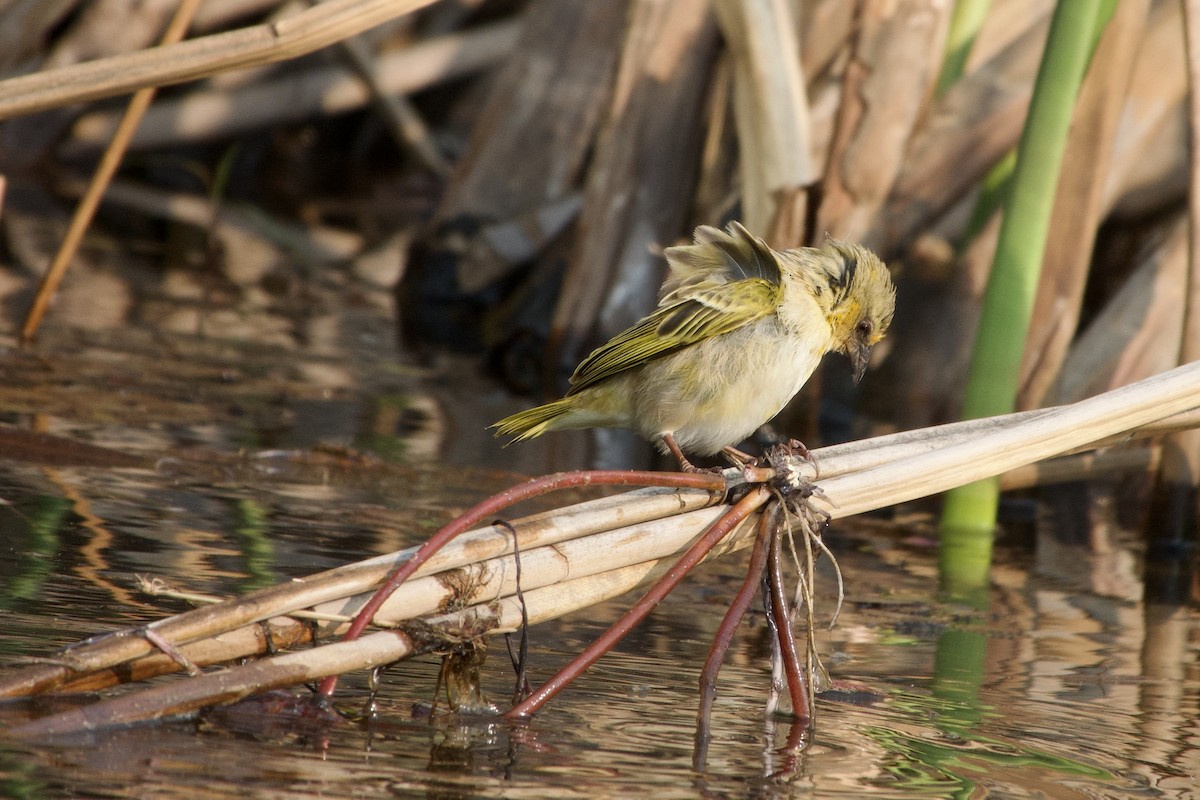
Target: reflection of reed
1168	705
95	561
854	478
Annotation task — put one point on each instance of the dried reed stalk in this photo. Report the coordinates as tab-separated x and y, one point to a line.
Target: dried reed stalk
383	647
309	30
300	94
1006	446
771	110
335	585
613	274
888	80
474	585
965	132
113	153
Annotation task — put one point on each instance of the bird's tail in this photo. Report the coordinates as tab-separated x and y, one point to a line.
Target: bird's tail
534	421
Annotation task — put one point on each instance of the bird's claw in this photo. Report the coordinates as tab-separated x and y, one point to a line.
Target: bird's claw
780	455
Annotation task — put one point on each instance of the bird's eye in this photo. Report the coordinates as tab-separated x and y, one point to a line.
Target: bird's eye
864	327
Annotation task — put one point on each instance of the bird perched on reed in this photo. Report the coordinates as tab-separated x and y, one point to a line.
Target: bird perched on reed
738	330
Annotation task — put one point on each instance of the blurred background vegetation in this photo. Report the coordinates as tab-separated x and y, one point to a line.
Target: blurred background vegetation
499	177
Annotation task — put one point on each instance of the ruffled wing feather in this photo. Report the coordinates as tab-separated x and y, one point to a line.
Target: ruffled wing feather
720	256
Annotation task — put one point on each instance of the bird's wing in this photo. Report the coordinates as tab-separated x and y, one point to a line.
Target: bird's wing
716	255
680	320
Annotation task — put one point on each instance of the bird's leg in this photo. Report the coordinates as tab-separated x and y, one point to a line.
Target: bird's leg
739	458
684	464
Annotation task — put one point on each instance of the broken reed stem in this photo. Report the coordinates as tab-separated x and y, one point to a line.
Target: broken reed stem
1005	446
105	170
497	503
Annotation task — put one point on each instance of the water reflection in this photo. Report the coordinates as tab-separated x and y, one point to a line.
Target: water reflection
1039	689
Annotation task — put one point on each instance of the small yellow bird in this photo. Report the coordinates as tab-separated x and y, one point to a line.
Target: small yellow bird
738	330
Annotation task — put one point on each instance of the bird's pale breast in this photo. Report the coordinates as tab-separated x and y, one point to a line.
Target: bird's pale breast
717	392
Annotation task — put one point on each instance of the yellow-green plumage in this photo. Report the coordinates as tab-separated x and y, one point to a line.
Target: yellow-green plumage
738	330
534	421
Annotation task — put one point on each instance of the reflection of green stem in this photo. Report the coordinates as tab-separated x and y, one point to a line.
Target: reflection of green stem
1008	302
957	675
923	766
961	655
964	560
38	536
951	765
255	544
19	777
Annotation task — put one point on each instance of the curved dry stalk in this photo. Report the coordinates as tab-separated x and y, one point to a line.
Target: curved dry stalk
752	502
767	523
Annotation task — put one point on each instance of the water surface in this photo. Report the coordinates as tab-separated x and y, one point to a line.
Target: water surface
221	469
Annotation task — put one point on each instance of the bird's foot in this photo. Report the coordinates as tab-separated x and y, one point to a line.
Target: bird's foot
778	463
781	468
778	455
689	467
738	458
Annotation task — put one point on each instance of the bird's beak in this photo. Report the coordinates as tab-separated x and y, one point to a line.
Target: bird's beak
860	355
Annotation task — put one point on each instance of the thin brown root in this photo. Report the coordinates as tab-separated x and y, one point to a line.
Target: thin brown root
837	571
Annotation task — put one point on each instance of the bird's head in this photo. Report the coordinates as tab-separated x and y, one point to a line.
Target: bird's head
855	290
849	285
